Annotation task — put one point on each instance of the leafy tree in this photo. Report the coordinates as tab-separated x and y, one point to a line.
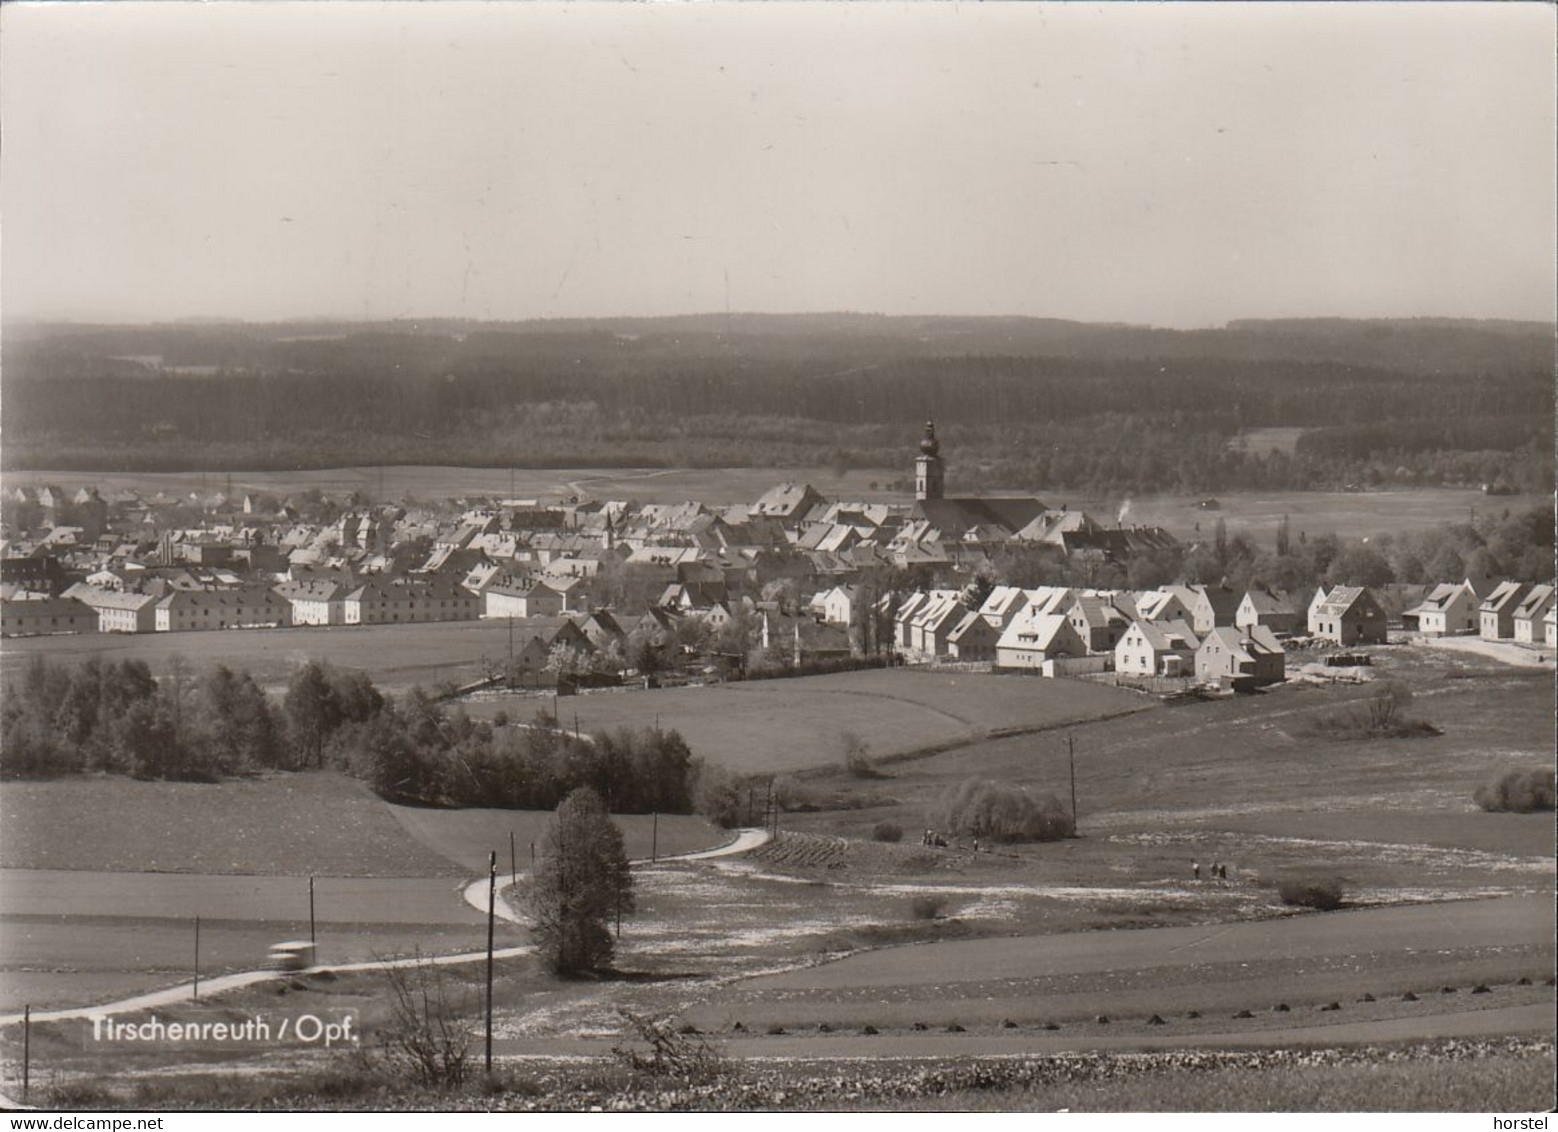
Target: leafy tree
311	711
581	884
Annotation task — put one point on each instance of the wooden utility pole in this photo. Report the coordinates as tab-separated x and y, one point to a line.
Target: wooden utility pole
312	935
492	906
1071	757
513	862
26	1050
197	957
654	839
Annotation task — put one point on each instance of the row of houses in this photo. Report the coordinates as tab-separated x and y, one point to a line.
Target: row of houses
1505	611
1060	631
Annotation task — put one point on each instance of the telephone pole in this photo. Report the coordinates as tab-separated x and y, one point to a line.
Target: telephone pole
492	898
1071	757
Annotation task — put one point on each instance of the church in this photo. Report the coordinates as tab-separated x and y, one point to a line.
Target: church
1002	516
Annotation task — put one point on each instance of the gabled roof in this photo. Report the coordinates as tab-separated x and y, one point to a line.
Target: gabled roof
1034	630
1049	599
787	500
1003	600
1249	643
1535	603
1438	599
1340	600
952	517
1502	596
1097	612
1269	601
1151	605
1167	636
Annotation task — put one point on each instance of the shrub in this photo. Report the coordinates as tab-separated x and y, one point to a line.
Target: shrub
1519	792
887	831
425	1040
1382	715
927	906
857	757
678	1053
1001	812
1323	893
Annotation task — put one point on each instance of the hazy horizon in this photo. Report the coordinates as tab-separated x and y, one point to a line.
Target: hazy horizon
1176	166
286	320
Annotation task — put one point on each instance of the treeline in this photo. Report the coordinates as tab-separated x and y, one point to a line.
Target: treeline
1023	403
1514	544
107	718
99	718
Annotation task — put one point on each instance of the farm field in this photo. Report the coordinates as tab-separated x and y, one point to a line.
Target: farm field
785	726
1254	757
102	877
466	836
396	657
648	485
279	825
283	825
1350	514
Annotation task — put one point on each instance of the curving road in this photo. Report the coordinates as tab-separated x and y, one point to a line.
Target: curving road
475	895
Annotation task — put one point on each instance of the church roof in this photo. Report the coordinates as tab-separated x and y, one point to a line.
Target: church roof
954	517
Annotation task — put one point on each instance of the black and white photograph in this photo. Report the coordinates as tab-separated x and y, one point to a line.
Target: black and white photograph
871	558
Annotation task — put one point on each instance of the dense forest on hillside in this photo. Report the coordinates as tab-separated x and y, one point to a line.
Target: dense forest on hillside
1027	403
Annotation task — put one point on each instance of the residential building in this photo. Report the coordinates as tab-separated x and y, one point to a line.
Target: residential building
45	616
1276	611
1249	656
1530	612
1157	648
1498	610
1033	638
1350	615
118	612
1098	621
1448	610
973	639
838	605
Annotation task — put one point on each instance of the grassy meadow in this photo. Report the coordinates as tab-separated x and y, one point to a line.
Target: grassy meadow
784	726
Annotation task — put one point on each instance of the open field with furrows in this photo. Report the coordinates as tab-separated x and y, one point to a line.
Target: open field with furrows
782	726
765	997
396	657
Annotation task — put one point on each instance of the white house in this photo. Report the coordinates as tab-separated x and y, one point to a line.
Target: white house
1034	637
1157	648
1450	609
1251	654
1498	611
838	605
1529	614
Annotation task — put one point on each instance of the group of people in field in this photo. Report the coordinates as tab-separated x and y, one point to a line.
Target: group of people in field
1219	871
931	839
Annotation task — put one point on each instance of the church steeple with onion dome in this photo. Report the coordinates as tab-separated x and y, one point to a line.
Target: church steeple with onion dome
929	473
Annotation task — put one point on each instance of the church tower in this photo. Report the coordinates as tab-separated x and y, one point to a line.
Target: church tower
928	470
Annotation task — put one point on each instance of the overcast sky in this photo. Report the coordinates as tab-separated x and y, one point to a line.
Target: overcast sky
1173	164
